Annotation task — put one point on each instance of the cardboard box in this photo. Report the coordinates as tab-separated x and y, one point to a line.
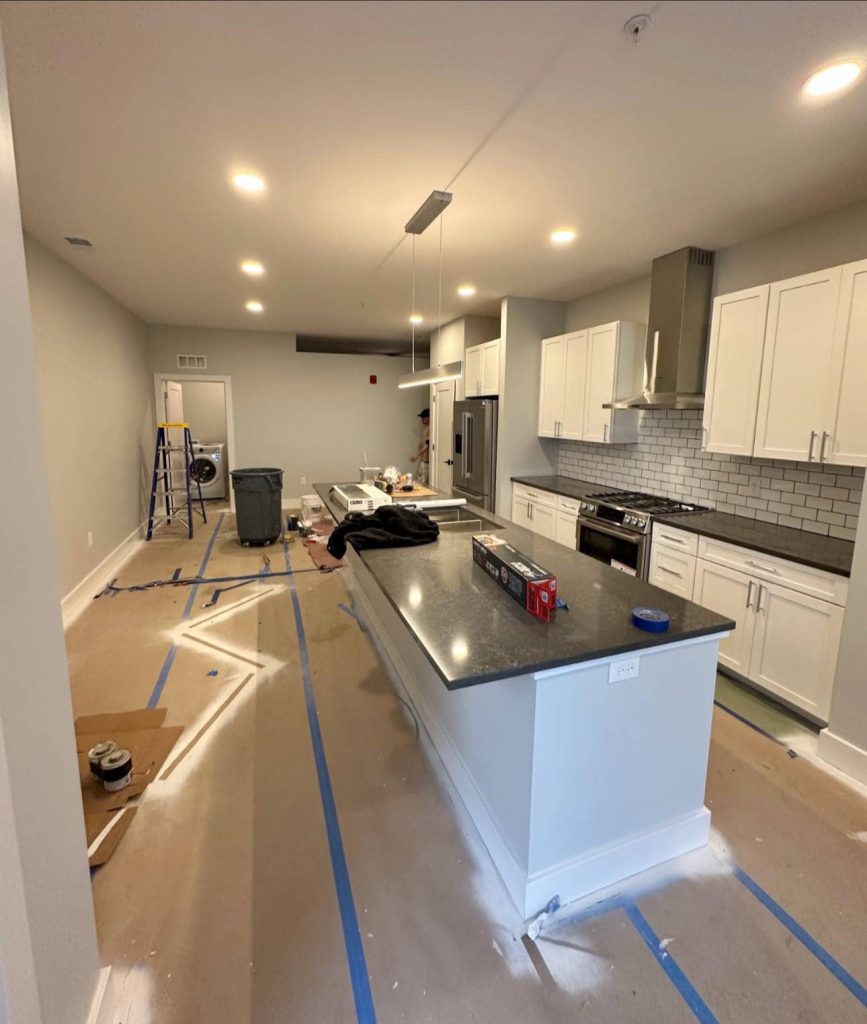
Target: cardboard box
532	586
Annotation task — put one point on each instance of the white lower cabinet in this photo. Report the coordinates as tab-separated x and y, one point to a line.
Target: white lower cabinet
521	512
544	521
565	528
672	570
729	593
535	510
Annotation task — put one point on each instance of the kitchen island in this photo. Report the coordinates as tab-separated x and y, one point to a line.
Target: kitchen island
580	746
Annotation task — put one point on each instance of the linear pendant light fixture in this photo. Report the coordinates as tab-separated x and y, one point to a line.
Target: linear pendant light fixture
423	217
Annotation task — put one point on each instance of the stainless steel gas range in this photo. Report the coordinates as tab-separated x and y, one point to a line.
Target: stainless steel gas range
614	527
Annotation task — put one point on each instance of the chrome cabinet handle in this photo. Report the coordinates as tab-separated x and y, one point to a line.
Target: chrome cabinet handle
825	436
671	572
704	436
813	436
674	540
762	591
763	568
605	432
750	593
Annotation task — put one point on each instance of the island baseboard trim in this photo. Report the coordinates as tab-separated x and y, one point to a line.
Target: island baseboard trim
843	755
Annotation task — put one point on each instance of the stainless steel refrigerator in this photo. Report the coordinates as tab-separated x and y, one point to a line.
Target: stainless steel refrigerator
475	469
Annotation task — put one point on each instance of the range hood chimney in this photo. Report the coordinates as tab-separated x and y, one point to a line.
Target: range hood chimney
676	352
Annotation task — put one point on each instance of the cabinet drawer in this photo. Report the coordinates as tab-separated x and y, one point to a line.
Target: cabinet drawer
523	493
679	540
827	586
569	506
672	570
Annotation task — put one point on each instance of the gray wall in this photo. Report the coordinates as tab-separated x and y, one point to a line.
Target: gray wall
205	409
96	401
310	414
48	954
627	301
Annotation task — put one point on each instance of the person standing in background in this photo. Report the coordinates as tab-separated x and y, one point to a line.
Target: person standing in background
422	454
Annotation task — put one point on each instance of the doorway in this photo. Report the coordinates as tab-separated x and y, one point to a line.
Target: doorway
205	402
442	435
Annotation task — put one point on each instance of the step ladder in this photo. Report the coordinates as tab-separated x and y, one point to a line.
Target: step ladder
179	499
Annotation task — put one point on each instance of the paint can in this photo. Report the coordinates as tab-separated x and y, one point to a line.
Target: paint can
96	754
115	770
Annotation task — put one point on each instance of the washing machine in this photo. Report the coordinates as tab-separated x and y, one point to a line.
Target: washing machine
209	468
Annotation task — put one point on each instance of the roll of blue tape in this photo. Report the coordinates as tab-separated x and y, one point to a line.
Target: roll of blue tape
654	620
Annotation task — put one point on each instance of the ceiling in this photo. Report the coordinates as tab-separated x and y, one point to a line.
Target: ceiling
130	118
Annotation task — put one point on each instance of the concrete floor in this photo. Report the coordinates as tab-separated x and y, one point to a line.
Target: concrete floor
221	905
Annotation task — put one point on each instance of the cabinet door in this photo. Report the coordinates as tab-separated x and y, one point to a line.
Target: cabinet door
601	365
544	520
795	647
844	439
672	570
521	512
491	368
734	369
796	366
732	594
564	531
551	386
473	370
574	386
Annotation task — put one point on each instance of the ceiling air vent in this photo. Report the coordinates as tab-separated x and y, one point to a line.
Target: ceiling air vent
192	363
78	240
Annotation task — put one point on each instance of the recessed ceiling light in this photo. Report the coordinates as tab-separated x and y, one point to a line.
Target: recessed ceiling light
254	306
249	182
416	319
466	291
833	78
562	236
253	267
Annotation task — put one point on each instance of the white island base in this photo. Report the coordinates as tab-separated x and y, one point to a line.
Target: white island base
573	782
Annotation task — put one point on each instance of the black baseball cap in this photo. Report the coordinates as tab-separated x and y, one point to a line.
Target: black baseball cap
423	413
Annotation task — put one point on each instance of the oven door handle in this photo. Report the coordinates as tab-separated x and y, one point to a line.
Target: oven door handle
611	530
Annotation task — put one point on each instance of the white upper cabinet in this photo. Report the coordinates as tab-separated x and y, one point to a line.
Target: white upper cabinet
734	369
585	369
482	369
796	366
473	371
844	433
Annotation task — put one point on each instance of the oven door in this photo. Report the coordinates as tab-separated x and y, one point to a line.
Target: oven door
618	548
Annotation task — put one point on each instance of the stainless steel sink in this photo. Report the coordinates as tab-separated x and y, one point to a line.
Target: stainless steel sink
460	519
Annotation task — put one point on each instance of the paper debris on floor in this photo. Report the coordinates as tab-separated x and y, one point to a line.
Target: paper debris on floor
149	742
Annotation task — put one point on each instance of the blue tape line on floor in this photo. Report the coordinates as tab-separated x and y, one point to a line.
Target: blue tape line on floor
364	1010
162	678
666	961
803	936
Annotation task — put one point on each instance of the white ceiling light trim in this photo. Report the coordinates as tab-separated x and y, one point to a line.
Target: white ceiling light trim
253	268
833	78
466	291
563	236
246	181
254	306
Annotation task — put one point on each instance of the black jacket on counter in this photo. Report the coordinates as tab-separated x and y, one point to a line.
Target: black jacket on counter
390	526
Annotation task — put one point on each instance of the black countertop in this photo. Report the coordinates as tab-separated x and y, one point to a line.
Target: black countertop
827	553
472	631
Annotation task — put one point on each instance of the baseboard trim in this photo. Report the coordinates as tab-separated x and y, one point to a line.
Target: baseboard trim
843	755
82	593
101	1007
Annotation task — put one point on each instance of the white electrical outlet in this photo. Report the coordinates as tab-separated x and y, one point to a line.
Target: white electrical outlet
626	668
303	480
90	538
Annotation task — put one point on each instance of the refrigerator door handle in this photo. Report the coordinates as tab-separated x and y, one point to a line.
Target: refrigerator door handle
465	420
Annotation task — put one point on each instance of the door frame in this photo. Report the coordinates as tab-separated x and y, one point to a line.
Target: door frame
434	426
206	378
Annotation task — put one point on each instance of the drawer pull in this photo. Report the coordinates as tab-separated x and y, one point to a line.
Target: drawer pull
674	540
671	572
750	593
762	591
763	568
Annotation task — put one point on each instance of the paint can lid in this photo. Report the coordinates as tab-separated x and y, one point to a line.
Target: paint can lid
653	620
101	750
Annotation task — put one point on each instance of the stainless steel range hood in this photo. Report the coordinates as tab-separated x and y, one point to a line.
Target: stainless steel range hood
676	353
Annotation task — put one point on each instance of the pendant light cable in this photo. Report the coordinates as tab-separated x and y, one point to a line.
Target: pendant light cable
412	318
440	297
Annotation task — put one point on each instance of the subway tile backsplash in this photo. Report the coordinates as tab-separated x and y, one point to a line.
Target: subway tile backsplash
668	460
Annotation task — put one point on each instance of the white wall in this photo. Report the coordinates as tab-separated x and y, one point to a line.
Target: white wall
205	409
308	413
627	301
523	323
96	398
48	954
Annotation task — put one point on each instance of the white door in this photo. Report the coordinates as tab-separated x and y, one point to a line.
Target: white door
565	530
796	366
491	368
521	511
734	370
442	436
574	386
473	370
601	364
733	594
672	570
173	410
844	436
551	386
795	647
544	520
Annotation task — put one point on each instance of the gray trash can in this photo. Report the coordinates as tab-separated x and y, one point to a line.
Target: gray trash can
258	504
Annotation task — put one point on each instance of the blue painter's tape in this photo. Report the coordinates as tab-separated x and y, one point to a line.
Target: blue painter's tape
162	678
358	976
666	961
803	936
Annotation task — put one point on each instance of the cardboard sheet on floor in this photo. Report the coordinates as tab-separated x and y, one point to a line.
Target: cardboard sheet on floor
143	734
